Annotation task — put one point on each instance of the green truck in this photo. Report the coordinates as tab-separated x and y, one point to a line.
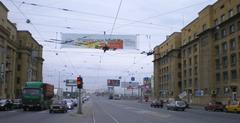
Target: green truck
37	95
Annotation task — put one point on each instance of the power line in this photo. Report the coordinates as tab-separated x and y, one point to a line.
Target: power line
27	19
115	20
87	13
162	14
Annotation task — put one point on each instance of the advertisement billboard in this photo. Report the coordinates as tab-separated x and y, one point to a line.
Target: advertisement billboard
147	89
71	82
129	85
97	41
113	82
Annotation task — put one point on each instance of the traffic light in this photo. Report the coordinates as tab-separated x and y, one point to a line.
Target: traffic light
79	82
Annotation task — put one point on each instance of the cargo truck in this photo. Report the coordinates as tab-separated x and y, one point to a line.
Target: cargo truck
37	95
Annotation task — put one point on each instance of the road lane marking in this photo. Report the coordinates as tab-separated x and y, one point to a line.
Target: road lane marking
94	120
111	116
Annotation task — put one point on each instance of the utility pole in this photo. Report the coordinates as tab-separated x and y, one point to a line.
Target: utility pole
79	111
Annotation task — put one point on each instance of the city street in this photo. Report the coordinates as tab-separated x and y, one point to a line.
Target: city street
102	110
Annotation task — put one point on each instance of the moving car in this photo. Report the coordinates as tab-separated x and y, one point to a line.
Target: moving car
58	106
214	106
233	107
117	97
156	104
70	103
17	103
6	104
176	105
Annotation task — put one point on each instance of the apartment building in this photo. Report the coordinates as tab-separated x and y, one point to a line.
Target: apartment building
8	32
29	60
210	51
168	71
20	57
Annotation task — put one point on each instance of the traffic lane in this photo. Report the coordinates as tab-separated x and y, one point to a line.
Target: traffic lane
115	114
29	116
194	112
186	116
6	114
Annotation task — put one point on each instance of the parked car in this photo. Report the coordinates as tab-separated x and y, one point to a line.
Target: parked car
156	104
214	106
70	103
17	103
58	106
176	105
6	104
233	107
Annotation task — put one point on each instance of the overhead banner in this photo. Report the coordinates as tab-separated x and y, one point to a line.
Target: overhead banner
97	41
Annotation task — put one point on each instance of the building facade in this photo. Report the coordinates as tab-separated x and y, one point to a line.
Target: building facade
167	73
20	57
210	52
8	51
29	60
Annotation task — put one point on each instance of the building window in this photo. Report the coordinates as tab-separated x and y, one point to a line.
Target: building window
195	48
238	8
233	74
225	76
232	28
223	33
217	51
233	44
18	67
185	73
196	60
218	77
216	35
189	50
19	55
222	18
196	82
190	72
216	22
195	71
190	82
238	25
224	47
204	27
184	53
18	80
189	38
190	61
230	13
218	64
224	60
233	59
184	63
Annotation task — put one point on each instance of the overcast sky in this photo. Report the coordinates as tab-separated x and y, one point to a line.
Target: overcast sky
150	20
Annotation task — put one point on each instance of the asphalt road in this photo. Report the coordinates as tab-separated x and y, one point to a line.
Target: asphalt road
102	110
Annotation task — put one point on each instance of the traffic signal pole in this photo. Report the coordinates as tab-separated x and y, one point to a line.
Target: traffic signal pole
79	111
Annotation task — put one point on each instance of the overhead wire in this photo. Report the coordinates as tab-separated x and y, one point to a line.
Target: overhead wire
27	19
158	15
115	20
87	13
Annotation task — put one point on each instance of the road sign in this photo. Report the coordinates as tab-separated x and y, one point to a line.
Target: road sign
71	82
113	82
